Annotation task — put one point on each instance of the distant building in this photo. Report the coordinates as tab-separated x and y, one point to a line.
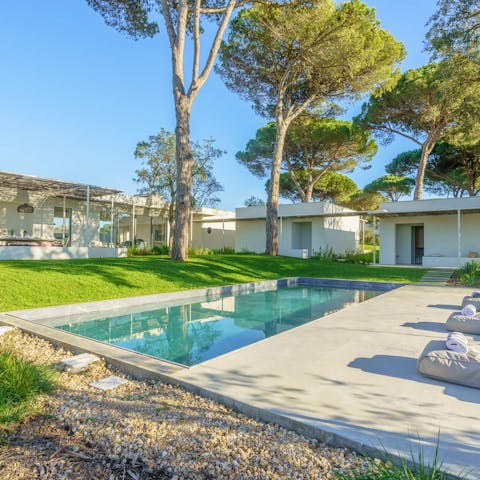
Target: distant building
303	229
43	218
433	233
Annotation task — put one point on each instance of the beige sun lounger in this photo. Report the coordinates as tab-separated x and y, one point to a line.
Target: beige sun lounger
460	323
442	364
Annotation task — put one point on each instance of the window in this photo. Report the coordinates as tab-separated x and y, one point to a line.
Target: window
159	233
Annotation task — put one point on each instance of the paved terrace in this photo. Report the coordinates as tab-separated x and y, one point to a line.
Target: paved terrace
353	373
349	378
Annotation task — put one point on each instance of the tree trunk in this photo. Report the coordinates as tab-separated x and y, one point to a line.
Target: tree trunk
310	185
183	194
427	148
271	220
171	222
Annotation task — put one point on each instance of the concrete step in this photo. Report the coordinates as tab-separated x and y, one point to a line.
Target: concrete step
108	383
78	363
436	277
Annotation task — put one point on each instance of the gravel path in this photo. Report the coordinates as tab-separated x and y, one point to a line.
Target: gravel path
150	430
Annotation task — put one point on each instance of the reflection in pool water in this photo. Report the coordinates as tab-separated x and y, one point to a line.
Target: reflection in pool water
191	333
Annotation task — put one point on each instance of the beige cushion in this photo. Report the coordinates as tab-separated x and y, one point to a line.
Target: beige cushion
460	323
471	301
442	364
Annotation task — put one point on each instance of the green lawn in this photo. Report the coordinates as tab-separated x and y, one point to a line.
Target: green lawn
29	284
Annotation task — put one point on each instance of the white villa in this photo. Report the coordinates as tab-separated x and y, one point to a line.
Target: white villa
42	218
304	229
432	233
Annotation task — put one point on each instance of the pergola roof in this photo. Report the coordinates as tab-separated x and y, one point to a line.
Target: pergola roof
55	187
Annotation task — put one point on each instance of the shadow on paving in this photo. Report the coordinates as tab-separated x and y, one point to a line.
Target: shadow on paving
406	368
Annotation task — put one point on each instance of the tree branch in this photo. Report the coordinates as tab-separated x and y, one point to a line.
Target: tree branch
172	36
196	85
196	40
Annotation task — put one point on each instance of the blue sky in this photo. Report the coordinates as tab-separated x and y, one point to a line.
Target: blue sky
76	96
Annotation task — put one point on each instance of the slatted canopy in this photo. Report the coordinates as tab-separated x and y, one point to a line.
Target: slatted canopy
53	187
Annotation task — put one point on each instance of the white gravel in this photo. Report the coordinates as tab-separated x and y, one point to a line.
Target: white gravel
150	430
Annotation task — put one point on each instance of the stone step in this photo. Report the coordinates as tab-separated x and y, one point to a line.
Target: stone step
108	383
78	363
5	329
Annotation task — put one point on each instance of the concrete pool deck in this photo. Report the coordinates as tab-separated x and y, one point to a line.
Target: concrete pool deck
353	375
349	378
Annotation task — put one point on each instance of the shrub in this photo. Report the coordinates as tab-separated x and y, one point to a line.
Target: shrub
358	258
326	253
200	251
470	273
161	249
20	382
139	252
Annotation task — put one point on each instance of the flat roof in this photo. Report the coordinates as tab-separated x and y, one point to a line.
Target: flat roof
33	183
303	216
429	206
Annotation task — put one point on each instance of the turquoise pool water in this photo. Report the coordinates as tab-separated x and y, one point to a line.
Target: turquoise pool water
190	333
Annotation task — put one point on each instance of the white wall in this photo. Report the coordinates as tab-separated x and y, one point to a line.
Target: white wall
338	233
250	236
220	235
59	253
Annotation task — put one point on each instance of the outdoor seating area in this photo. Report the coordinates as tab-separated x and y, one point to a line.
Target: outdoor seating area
456	360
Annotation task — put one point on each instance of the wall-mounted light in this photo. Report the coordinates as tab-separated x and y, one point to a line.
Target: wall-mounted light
25	208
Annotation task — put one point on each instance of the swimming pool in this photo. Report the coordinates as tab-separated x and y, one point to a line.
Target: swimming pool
190	331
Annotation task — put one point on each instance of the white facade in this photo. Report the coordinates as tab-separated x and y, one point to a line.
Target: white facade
432	233
43	218
213	229
303	229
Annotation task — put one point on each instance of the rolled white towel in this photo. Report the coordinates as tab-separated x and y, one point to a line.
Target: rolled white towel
457	344
457	335
475	294
469	310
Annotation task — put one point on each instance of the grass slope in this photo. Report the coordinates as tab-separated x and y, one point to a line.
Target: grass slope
29	284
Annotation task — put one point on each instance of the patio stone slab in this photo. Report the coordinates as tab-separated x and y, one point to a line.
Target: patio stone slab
5	329
78	363
108	383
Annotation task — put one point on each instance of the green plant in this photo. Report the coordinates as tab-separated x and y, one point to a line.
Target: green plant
358	258
160	249
326	253
469	274
418	468
200	251
139	252
20	382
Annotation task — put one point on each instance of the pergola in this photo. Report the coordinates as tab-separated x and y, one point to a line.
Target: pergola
59	188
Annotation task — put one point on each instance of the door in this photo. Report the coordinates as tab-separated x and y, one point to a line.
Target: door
417	244
302	236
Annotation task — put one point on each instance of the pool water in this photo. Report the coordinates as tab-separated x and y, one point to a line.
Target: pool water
198	330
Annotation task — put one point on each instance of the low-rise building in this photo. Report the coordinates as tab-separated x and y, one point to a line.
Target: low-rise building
304	229
433	233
